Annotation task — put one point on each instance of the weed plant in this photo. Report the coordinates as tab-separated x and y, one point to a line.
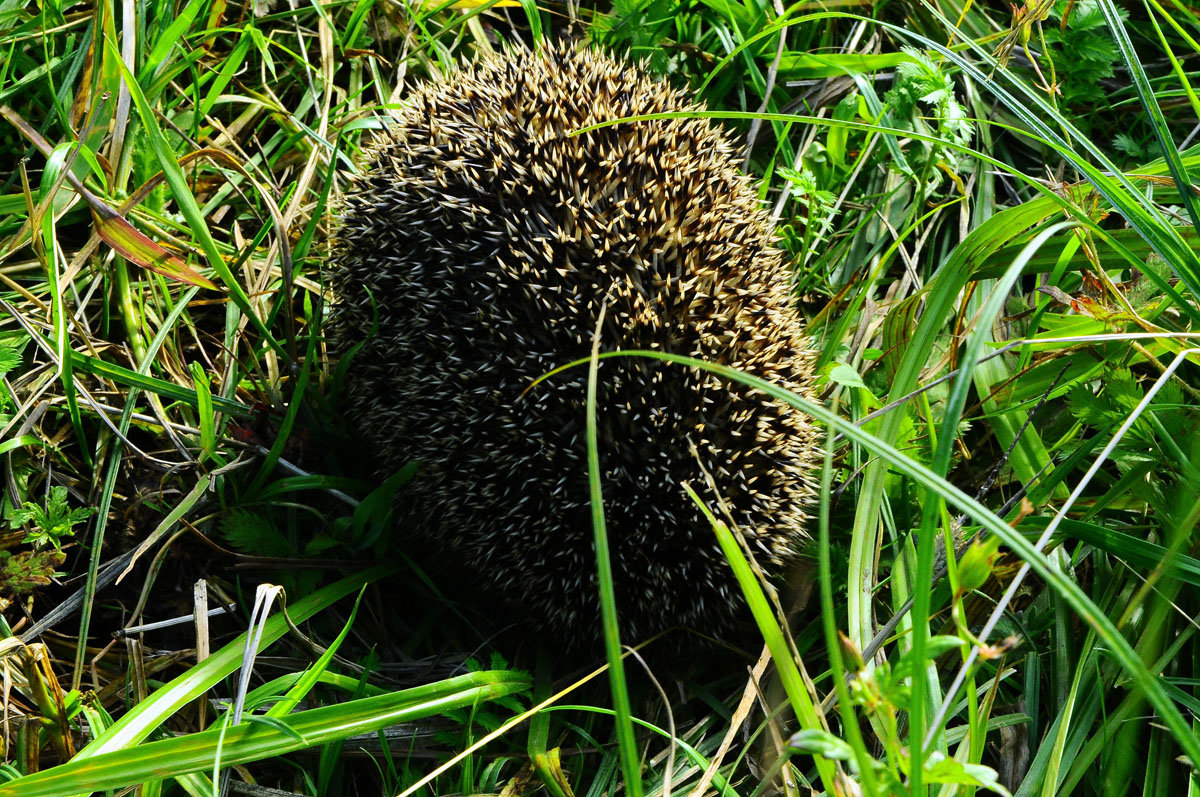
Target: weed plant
991	213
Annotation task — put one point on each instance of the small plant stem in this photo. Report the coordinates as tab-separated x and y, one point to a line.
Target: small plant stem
545	763
129	312
862	756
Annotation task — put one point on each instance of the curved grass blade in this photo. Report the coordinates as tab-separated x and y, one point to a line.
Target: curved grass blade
255	741
768	626
720	783
1162	132
143	718
626	741
135	246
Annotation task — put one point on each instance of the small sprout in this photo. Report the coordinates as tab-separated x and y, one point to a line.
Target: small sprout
976	564
51	524
851	655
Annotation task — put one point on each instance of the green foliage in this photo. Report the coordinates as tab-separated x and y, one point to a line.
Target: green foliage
51	523
1151	447
924	99
883	694
254	534
47	526
1082	50
10	357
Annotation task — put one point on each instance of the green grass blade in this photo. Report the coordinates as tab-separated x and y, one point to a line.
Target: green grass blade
720	784
289	419
254	741
1145	93
772	634
955	404
110	481
20	441
204	411
626	740
160	387
312	675
845	705
143	718
172	36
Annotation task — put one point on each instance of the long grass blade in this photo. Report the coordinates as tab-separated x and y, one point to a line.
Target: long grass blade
626	740
256	740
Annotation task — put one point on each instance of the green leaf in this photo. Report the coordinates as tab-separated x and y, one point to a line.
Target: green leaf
254	534
204	411
845	375
10	357
150	384
940	768
136	247
764	616
1138	552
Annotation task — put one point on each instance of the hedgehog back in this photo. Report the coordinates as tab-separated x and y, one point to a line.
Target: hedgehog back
478	245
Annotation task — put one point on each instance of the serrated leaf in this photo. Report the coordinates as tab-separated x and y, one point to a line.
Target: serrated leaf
254	534
10	358
1088	408
1122	388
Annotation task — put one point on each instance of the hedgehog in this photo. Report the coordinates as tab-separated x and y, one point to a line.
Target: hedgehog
475	251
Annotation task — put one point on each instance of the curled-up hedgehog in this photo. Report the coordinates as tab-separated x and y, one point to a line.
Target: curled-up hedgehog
474	254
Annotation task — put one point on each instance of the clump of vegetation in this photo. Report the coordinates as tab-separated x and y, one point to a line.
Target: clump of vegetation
46	528
1083	51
